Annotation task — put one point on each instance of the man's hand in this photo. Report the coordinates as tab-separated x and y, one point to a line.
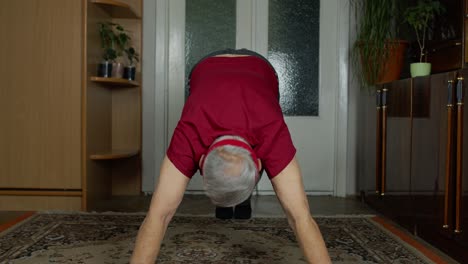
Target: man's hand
289	188
169	193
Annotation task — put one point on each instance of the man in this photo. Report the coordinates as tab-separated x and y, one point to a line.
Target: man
231	128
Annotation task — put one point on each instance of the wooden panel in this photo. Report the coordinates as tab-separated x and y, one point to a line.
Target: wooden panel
429	140
135	5
399	98
421	101
398	138
126	123
117	8
38	203
126	179
40	94
127	120
115	154
126	134
445	56
367	143
466	32
40	193
115	82
396	202
445	50
430	183
464	163
98	114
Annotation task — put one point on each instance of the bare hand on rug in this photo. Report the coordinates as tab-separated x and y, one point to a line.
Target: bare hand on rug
169	193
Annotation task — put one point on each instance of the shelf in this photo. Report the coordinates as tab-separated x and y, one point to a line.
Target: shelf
117	9
115	81
115	154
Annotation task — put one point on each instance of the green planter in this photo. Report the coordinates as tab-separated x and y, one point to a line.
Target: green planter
420	69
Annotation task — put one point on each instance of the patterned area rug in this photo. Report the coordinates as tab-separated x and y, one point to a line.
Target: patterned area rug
109	238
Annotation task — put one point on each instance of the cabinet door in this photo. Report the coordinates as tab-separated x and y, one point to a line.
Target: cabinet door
431	147
40	137
368	149
461	170
397	148
434	165
392	169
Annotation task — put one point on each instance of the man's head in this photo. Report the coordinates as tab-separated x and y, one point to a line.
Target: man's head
230	171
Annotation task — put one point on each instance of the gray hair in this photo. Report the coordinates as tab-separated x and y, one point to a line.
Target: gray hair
229	175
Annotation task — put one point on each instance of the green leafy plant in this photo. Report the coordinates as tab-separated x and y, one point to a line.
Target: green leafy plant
132	55
108	40
114	40
375	26
419	17
122	39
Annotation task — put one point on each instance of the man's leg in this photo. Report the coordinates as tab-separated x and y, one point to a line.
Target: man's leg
240	211
224	212
243	210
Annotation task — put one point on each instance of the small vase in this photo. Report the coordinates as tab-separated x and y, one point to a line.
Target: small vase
104	69
117	70
129	73
420	69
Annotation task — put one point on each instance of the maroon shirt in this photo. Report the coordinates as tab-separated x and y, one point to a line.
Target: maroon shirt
232	96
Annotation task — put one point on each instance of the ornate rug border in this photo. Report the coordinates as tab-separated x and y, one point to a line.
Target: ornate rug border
17	222
407	239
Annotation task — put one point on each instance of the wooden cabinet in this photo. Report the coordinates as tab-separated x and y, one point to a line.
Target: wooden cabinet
446	48
423	160
439	171
67	139
113	109
388	184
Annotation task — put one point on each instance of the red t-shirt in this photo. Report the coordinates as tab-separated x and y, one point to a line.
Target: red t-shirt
232	96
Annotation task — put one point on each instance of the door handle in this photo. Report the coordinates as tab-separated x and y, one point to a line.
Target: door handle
459	158
448	152
378	139
384	141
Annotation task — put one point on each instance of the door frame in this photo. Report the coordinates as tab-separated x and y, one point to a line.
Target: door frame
157	104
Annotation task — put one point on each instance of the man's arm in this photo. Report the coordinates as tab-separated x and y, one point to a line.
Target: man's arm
289	188
169	193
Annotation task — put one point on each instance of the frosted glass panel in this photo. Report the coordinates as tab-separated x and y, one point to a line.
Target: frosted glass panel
293	49
210	26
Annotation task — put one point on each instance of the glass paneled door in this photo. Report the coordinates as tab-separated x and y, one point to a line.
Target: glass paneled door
299	39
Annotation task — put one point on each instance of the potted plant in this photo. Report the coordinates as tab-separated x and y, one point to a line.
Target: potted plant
130	69
377	51
419	17
122	40
108	40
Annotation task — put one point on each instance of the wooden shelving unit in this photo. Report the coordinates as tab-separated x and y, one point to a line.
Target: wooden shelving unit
115	154
115	81
113	109
117	9
66	167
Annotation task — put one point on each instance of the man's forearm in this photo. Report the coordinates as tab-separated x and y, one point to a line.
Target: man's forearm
310	240
149	240
167	197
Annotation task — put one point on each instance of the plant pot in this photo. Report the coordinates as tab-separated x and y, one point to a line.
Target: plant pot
104	69
117	70
420	69
392	65
129	73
